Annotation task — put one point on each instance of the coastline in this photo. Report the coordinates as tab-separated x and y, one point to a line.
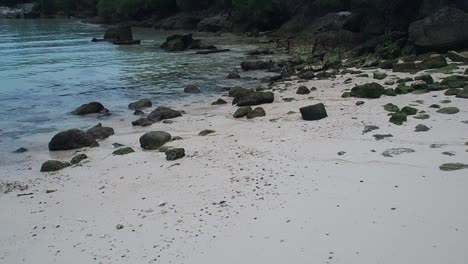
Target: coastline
268	190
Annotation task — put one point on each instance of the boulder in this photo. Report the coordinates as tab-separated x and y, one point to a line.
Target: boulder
143	122
162	113
303	90
183	42
313	112
379	75
257	112
78	158
72	139
448	110
206	132
307	75
54	165
463	94
256	65
138	113
192	89
391	108
398	118
455	81
221	22
242	111
434	62
426	78
254	98
421	128
419	85
445	29
404	67
408	110
123	151
369	90
238	91
452	91
91	108
123	33
154	140
219	102
140	104
100	132
175	153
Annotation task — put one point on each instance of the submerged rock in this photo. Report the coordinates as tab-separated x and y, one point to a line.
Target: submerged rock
192	89
175	154
183	42
314	112
154	140
91	108
72	139
370	90
389	153
21	150
233	75
54	165
382	136
140	104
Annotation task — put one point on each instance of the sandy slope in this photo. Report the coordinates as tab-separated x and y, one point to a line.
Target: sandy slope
268	190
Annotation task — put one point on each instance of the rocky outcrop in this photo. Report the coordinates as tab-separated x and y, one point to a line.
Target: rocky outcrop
183	42
154	140
72	139
444	29
91	108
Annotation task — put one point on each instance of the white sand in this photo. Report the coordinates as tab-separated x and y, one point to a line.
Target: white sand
289	197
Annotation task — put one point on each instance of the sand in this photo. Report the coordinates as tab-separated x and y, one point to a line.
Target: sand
267	190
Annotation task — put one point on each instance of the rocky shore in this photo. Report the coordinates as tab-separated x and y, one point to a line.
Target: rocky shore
355	160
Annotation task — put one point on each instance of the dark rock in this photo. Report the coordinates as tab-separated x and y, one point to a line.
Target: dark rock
396	151
257	112
421	116
162	113
346	95
117	145
404	80
256	65
403	89
421	128
91	108
390	92
404	67
219	102
72	139
254	98
358	103
206	132
419	85
455	81
448	110
408	110
398	118
368	129
183	42
433	62
444	29
437	87
138	113
21	150
426	78
123	33
463	94
242	111
239	91
175	154
233	75
154	140
434	106
143	122
123	151
100	132
78	158
221	22
457	57
381	137
452	91
369	90
314	112
453	166
140	104
391	108
54	165
303	90
371	61
379	75
192	89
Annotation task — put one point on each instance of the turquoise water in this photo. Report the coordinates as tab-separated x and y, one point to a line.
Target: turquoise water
49	67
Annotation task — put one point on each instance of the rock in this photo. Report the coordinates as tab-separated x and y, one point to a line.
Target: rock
453	166
143	122
138	113
435	106
390	92
433	62
380	136
117	145
448	110
140	104
358	103
403	89
379	75
162	113
220	22
239	91
154	140
123	33
368	129
307	75
192	89
254	98
119	227
421	128
421	116
452	91
444	29
346	95
437	87
391	107
303	90
78	158
408	110
362	75
466	72
426	78
257	112
341	153
389	153
404	67
371	61
256	65
219	102
314	112
242	111
206	132
100	132
463	94
389	82
91	108
448	153
183	42
233	75
54	165
123	151
419	85
370	90
398	118
175	154
455	81
404	80
21	150
72	139
457	57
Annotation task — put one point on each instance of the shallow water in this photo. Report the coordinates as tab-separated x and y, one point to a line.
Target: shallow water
49	67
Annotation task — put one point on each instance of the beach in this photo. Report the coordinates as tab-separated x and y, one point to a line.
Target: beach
273	189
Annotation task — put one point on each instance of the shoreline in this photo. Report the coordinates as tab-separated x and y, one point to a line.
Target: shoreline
267	190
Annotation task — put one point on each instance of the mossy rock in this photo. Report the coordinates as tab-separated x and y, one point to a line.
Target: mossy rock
405	67
78	158
54	165
422	116
437	87
123	151
446	70
390	92
403	89
405	80
391	108
398	118
379	75
419	85
455	81
369	90
408	110
242	112
388	50
448	110
425	78
453	166
463	94
433	62
452	91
